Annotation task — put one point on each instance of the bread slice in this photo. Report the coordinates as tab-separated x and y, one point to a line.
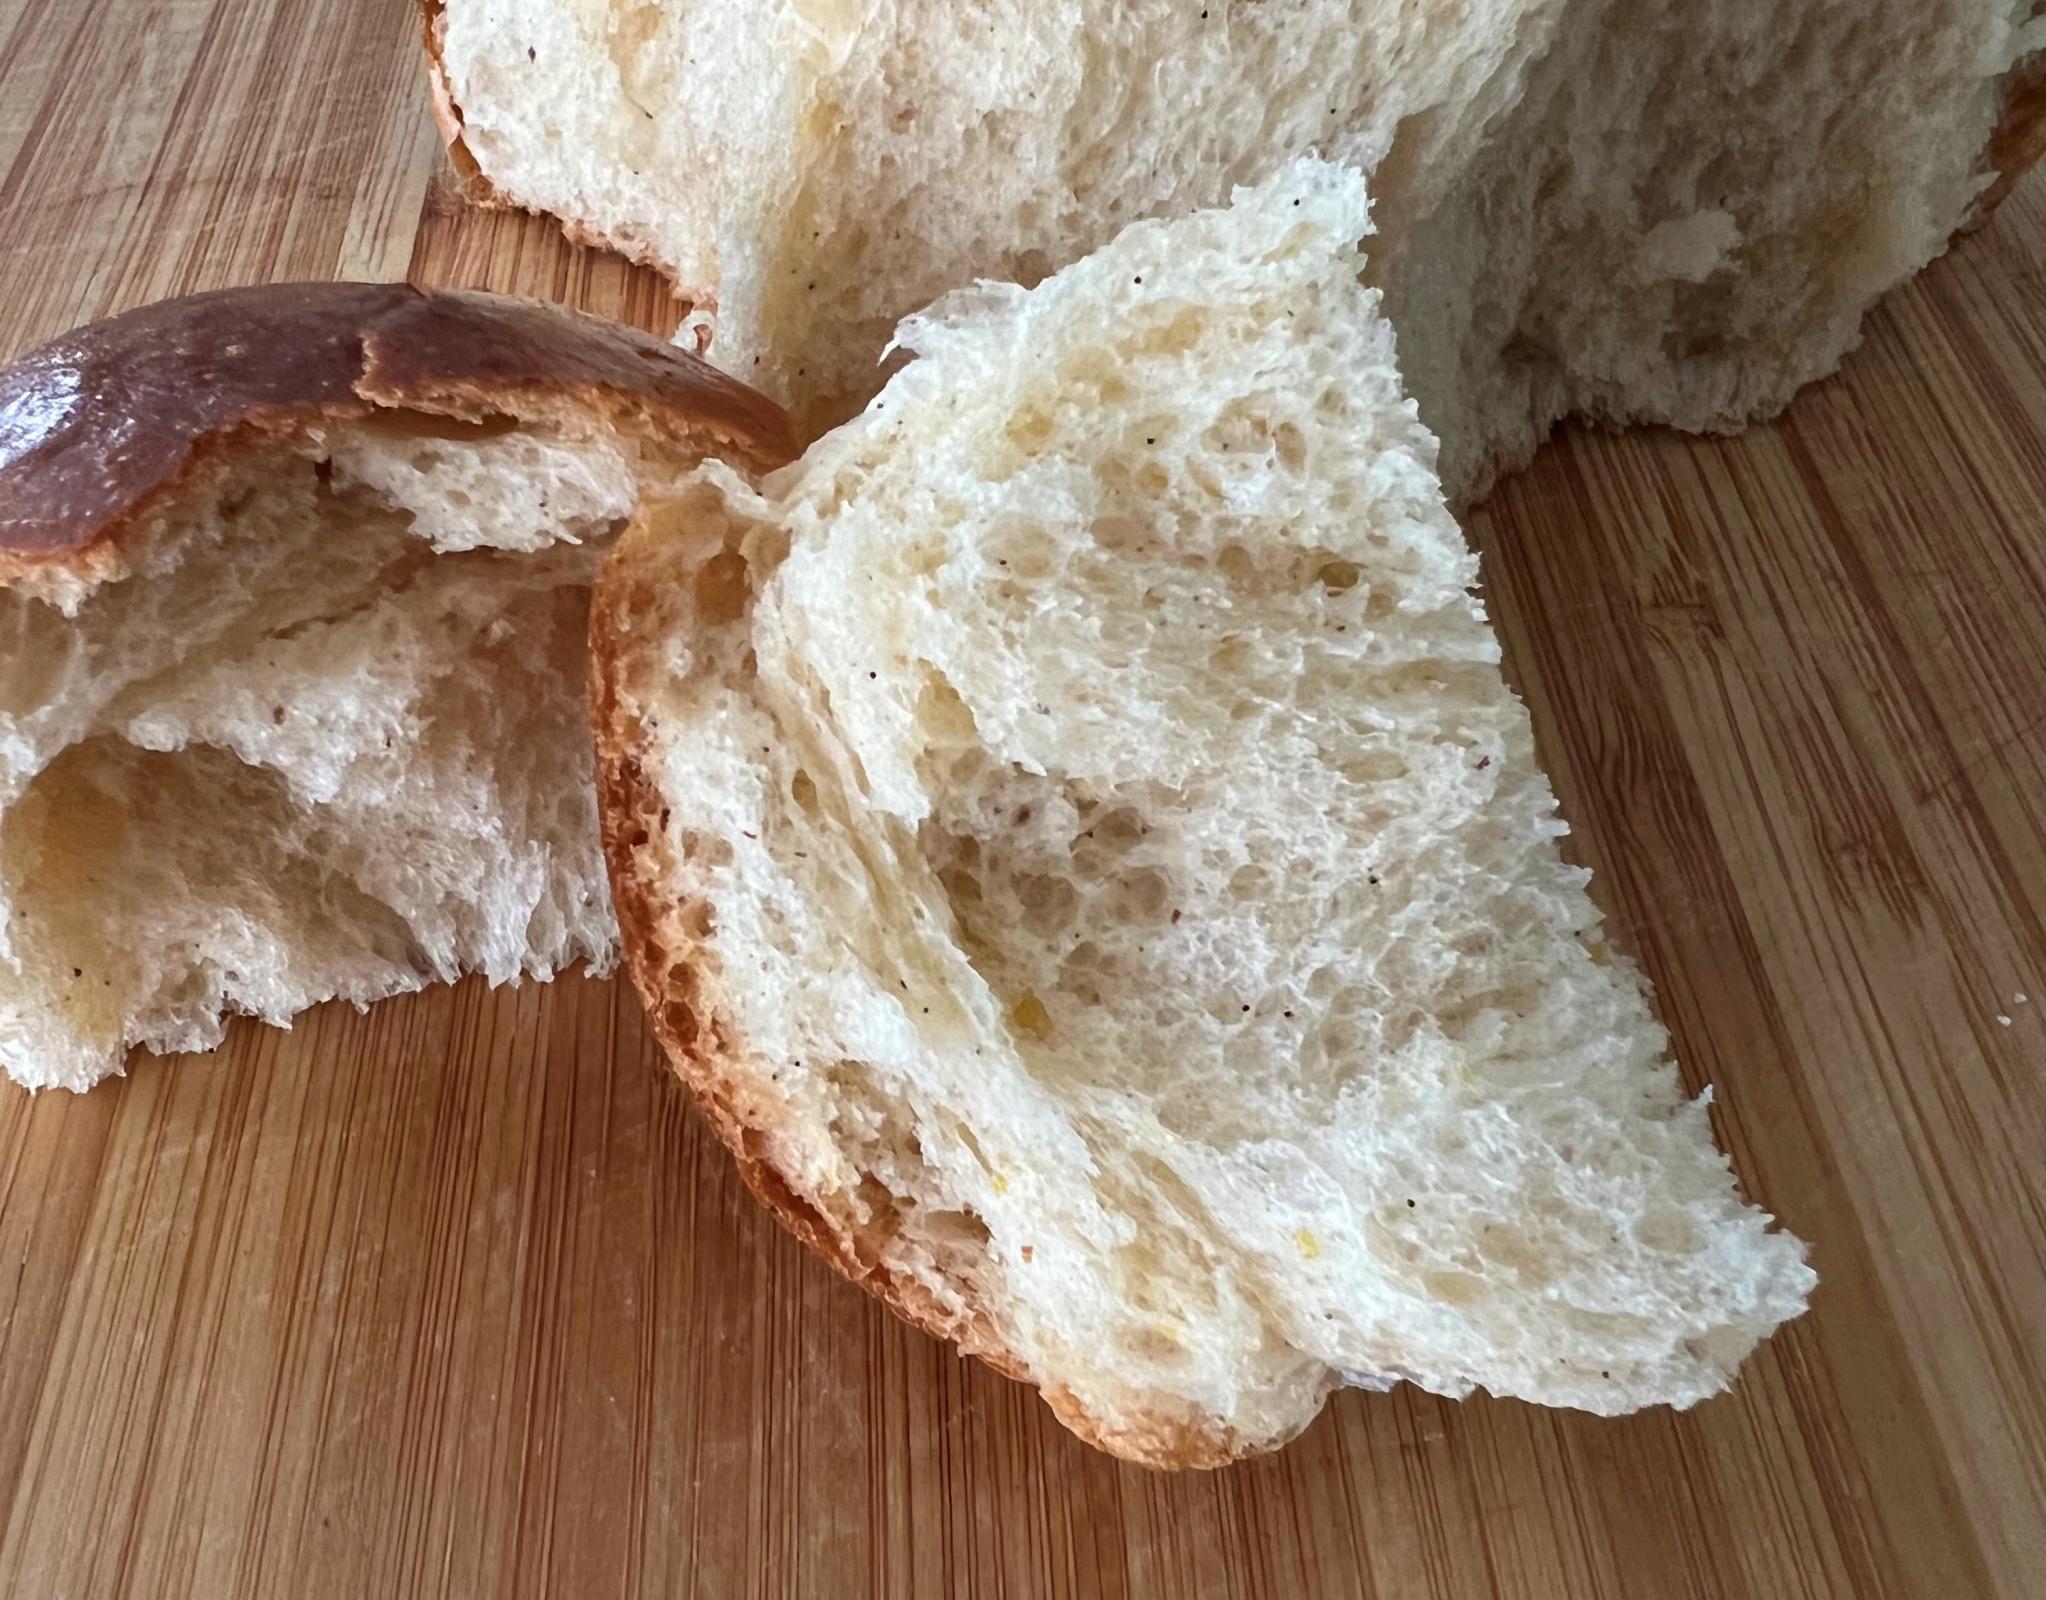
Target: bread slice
1636	209
294	586
1074	838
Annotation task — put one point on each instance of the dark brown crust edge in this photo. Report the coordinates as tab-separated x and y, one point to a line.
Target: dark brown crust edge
112	421
697	1035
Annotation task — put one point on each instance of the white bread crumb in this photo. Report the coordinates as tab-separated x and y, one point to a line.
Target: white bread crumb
1086	797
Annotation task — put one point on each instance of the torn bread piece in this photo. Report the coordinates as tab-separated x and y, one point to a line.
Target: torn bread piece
294	586
1074	838
1641	210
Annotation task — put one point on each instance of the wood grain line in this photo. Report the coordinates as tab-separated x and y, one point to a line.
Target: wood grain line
458	1297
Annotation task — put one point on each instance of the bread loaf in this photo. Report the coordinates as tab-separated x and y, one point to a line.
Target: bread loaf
1656	210
293	596
1074	838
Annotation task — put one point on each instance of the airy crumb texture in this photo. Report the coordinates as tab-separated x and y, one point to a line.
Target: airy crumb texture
1076	838
326	738
294	601
1671	210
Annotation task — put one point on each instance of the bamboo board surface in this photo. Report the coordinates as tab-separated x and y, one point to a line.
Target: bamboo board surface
459	1298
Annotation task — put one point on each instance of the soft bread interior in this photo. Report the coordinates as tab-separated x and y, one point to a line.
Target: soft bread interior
1098	866
324	737
1671	210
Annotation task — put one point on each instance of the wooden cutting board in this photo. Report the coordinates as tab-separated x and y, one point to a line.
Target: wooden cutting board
458	1297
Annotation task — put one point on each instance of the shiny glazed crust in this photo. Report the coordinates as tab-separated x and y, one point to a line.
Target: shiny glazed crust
115	420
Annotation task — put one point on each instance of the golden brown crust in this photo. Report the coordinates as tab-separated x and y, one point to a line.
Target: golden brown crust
447	116
1161	1442
478	188
692	1026
104	424
695	1030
